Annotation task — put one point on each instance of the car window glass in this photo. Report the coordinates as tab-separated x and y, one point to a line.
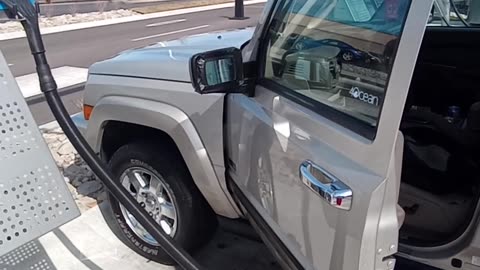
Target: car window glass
455	13
336	53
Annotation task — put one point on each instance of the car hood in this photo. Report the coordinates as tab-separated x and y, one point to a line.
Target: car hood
169	60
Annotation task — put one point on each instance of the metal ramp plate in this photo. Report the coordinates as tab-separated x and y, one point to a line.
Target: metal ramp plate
34	198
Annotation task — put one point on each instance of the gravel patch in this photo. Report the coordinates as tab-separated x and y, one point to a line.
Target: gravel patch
11	26
84	186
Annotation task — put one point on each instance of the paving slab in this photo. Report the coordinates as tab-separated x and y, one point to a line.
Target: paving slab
65	76
87	243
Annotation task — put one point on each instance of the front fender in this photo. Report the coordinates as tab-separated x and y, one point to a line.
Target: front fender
179	127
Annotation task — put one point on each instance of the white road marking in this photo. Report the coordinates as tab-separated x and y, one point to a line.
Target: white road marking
84	25
77	3
165	23
64	76
172	32
10	65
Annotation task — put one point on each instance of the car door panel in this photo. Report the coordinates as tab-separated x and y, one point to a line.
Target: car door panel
271	134
311	222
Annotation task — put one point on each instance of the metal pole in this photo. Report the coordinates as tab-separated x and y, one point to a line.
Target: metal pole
239	11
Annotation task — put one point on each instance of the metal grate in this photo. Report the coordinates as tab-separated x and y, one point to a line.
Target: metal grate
34	198
41	265
30	256
20	254
15	133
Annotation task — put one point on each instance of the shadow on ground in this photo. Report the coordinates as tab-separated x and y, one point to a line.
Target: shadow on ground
88	244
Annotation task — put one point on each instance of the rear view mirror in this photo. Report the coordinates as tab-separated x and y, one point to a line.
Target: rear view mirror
218	71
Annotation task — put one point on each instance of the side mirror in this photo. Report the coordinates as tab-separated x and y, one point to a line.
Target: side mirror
218	71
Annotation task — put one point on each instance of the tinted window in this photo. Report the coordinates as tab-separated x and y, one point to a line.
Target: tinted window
336	53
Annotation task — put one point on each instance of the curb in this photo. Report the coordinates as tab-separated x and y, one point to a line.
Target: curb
44	2
77	119
48	126
62	92
171	5
84	25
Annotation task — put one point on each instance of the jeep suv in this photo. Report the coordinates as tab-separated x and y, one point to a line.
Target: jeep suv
340	161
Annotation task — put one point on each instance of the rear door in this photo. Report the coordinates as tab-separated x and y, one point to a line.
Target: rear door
312	150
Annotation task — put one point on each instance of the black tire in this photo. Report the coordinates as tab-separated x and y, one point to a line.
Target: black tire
196	222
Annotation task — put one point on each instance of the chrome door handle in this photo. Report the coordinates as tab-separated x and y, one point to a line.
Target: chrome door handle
325	185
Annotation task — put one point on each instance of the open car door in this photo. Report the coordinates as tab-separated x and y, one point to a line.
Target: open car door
311	154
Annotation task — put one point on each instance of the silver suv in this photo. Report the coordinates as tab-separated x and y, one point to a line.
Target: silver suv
346	131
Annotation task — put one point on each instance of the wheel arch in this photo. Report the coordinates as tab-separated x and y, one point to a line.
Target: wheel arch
116	116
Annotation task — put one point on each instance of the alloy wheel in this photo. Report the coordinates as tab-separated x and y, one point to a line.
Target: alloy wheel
152	194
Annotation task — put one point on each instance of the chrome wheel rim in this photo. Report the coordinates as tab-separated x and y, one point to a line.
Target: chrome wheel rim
151	193
347	56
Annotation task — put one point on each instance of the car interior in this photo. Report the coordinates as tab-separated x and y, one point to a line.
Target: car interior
440	187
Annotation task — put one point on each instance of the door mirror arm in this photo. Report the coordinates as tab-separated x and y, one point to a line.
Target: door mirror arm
250	71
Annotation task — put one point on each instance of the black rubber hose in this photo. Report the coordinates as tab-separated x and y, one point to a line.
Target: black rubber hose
49	88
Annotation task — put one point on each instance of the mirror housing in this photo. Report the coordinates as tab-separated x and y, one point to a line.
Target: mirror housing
218	71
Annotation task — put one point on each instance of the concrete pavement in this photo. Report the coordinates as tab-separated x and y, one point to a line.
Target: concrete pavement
64	76
71	97
72	7
87	243
70	82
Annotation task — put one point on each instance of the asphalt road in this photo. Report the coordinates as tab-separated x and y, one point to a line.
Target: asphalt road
81	48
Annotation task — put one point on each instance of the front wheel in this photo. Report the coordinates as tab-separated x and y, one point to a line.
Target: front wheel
158	179
347	56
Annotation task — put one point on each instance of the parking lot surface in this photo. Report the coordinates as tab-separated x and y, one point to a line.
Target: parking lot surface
87	243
